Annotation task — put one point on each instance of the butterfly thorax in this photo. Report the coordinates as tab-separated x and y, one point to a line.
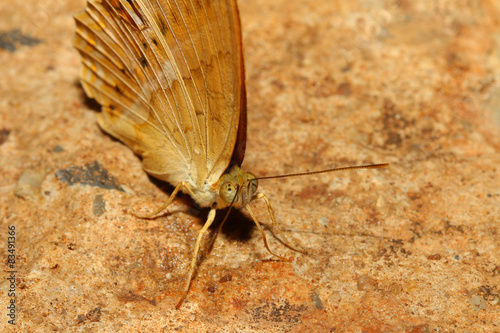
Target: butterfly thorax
236	188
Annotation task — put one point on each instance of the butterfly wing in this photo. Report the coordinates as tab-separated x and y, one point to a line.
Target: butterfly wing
169	75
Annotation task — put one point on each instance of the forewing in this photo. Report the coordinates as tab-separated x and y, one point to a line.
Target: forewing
169	76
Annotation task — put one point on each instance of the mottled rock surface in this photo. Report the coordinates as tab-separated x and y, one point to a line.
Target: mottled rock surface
414	247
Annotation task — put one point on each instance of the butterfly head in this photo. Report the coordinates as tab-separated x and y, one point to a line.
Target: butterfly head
237	188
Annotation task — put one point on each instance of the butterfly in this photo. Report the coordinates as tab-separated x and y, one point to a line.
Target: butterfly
170	78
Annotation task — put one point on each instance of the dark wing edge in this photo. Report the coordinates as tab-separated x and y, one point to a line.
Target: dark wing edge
241	138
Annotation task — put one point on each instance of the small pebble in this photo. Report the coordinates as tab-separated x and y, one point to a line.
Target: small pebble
99	205
436	256
317	301
367	283
477	303
28	185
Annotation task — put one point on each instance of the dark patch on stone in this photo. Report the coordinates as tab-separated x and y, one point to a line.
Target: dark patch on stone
91	174
286	312
58	149
94	315
10	39
129	297
4	134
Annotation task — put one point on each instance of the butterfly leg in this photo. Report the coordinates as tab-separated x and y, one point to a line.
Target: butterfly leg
166	204
275	224
218	231
254	218
192	268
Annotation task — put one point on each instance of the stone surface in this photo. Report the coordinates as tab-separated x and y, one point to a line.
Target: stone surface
414	247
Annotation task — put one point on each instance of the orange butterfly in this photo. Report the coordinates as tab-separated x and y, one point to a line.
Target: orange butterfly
169	75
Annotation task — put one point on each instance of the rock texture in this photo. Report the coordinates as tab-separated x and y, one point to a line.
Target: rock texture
414	247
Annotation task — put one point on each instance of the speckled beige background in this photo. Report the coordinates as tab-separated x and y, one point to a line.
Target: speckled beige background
414	247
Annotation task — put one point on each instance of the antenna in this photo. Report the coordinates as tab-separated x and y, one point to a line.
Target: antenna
369	166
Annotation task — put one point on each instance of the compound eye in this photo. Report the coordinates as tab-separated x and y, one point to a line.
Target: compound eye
227	192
